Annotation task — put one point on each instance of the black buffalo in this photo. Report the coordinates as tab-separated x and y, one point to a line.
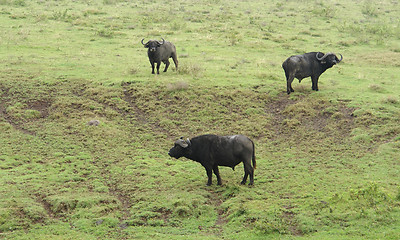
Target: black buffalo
212	151
311	64
160	52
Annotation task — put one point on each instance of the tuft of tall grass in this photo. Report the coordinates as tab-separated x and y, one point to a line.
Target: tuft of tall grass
369	9
391	100
17	3
106	33
191	69
178	25
376	88
323	10
179	85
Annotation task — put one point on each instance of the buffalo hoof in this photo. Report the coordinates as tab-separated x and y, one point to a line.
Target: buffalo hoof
243	183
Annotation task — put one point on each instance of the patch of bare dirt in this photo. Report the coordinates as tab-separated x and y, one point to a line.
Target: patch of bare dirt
46	205
141	115
289	217
320	116
41	106
215	200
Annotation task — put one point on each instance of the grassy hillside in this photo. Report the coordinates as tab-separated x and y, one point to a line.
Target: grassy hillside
327	161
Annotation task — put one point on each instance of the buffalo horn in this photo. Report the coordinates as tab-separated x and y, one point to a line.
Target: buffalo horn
341	57
142	42
183	143
163	41
323	57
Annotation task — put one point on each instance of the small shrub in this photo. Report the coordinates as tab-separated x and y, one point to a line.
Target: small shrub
133	71
390	100
369	9
192	69
106	33
376	88
183	211
326	11
180	85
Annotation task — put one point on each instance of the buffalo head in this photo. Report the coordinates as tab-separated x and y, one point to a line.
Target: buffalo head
329	58
152	45
179	148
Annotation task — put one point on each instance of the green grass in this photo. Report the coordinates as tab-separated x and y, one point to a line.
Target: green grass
327	161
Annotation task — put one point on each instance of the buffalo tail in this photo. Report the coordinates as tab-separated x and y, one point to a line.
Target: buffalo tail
254	156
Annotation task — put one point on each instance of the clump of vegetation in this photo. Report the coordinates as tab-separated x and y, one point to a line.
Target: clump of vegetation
106	33
180	85
391	100
369	9
376	88
190	69
323	10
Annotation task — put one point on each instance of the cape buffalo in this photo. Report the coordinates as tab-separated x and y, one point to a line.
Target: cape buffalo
212	151
160	52
311	64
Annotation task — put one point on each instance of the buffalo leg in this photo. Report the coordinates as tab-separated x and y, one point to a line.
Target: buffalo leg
251	177
246	174
216	172
243	182
209	175
166	65
289	80
175	60
248	170
158	67
152	67
314	83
